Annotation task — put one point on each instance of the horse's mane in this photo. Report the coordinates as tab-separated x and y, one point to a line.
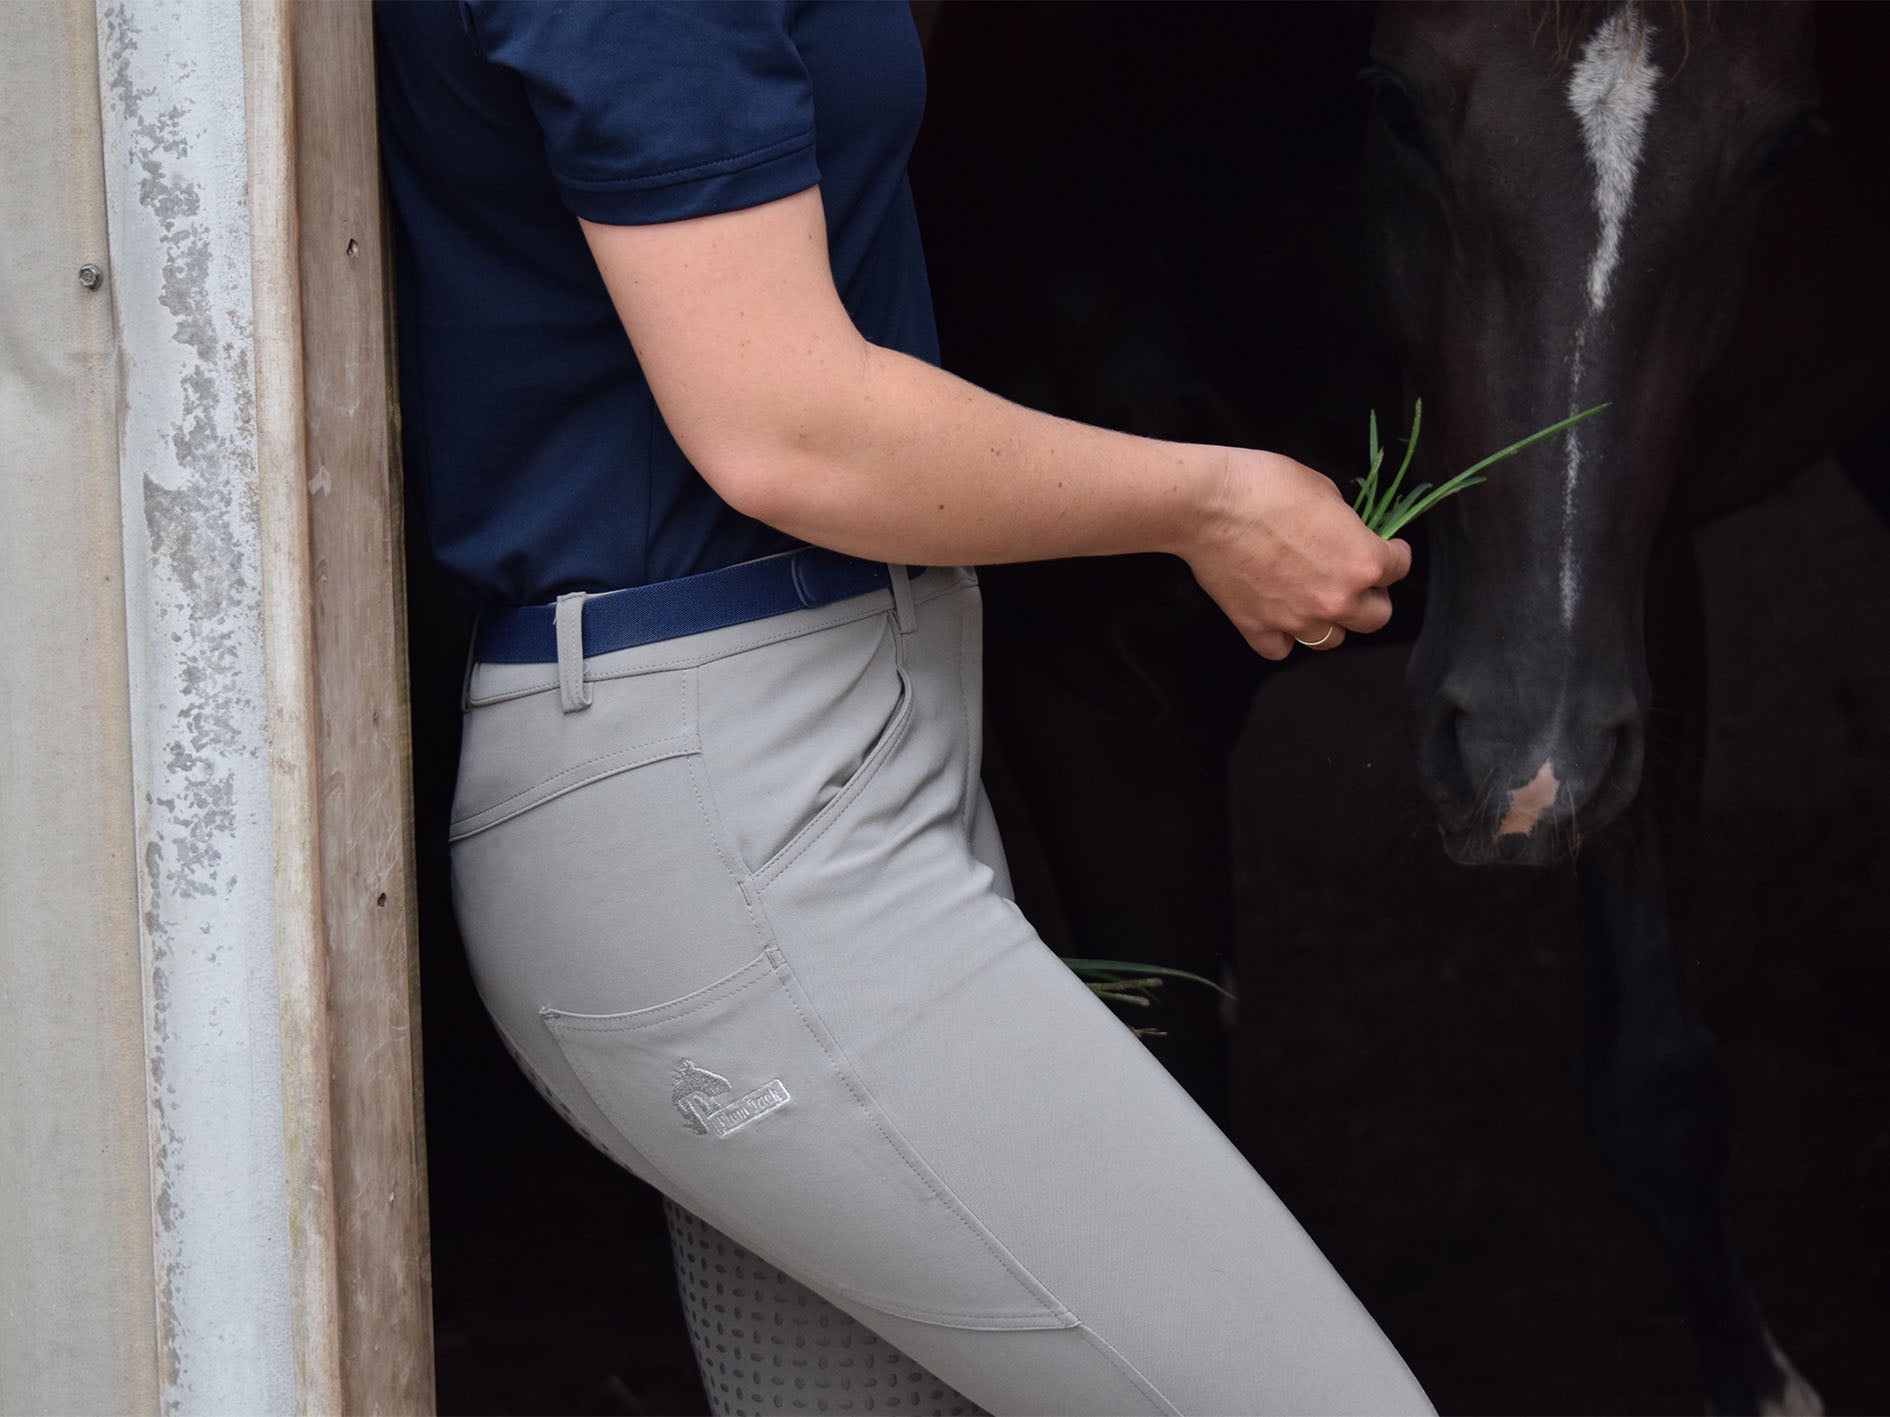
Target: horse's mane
1568	22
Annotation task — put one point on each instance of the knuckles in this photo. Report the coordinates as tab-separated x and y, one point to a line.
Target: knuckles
1333	606
1366	571
1269	643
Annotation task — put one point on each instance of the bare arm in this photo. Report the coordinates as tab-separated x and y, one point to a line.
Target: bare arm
794	419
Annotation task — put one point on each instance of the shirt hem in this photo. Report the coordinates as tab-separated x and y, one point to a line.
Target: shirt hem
704	194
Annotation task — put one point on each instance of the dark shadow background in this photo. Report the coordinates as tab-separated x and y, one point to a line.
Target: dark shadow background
1406	1060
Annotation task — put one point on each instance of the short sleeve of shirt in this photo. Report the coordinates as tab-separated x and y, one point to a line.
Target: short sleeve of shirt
662	109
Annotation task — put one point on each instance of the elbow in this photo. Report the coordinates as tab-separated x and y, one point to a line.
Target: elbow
787	454
759	484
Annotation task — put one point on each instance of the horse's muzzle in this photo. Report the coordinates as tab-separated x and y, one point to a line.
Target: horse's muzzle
1509	792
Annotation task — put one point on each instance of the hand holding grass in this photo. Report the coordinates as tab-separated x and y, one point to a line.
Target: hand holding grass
1283	555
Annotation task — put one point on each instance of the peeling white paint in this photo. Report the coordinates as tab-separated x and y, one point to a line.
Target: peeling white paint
171	78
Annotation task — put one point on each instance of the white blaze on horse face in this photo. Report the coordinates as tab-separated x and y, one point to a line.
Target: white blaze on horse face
1528	802
1611	93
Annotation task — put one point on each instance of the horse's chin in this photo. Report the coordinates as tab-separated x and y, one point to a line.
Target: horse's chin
1548	841
1544	846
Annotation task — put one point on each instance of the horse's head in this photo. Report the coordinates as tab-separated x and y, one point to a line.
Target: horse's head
1566	196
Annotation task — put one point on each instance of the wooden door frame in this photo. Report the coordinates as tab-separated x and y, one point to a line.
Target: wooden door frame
341	740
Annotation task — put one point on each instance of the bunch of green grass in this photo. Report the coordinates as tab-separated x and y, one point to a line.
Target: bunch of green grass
1386	512
1122	981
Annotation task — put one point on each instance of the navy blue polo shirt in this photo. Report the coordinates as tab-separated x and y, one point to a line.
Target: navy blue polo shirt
530	435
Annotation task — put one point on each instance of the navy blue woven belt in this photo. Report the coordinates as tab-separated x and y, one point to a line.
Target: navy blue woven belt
734	595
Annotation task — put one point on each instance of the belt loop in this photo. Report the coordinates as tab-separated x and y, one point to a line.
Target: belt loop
904	615
472	660
567	623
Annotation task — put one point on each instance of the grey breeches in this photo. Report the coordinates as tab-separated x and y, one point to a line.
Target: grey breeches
744	919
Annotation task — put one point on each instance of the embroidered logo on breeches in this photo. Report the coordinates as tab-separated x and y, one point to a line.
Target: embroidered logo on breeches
699	1095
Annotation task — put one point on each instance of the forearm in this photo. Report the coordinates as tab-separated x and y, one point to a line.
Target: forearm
897	460
796	420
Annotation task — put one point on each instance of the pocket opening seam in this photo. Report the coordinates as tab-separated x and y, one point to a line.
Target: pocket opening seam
832	811
972	732
720	991
656	750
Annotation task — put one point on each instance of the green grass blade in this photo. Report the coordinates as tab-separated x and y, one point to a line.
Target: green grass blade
1374	459
1140	1001
1533	438
1390	499
1104	967
1417	508
1410	499
1133	991
1390	518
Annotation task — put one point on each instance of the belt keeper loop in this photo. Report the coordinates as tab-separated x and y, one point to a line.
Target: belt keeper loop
905	615
472	662
567	622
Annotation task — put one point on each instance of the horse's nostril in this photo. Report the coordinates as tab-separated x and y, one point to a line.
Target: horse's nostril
1622	777
1452	725
1442	762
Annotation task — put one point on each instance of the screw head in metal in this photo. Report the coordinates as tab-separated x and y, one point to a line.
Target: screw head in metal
90	276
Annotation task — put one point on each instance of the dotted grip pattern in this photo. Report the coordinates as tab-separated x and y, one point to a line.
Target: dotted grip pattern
765	1343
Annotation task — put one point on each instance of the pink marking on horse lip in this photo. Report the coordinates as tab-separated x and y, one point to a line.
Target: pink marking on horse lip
1528	802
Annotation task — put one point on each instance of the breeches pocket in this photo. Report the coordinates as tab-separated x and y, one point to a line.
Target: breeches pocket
746	1107
791	733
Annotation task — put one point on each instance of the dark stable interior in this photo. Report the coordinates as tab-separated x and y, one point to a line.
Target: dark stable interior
1407	1060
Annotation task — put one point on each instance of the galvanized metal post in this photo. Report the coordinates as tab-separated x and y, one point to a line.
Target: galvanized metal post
175	133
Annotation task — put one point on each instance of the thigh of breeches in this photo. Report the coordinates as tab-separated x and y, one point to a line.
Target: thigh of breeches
730	917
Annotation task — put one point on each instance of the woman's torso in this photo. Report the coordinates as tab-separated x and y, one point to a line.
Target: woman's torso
539	459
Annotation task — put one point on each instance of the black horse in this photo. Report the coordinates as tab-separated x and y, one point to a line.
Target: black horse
1561	205
1569	209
